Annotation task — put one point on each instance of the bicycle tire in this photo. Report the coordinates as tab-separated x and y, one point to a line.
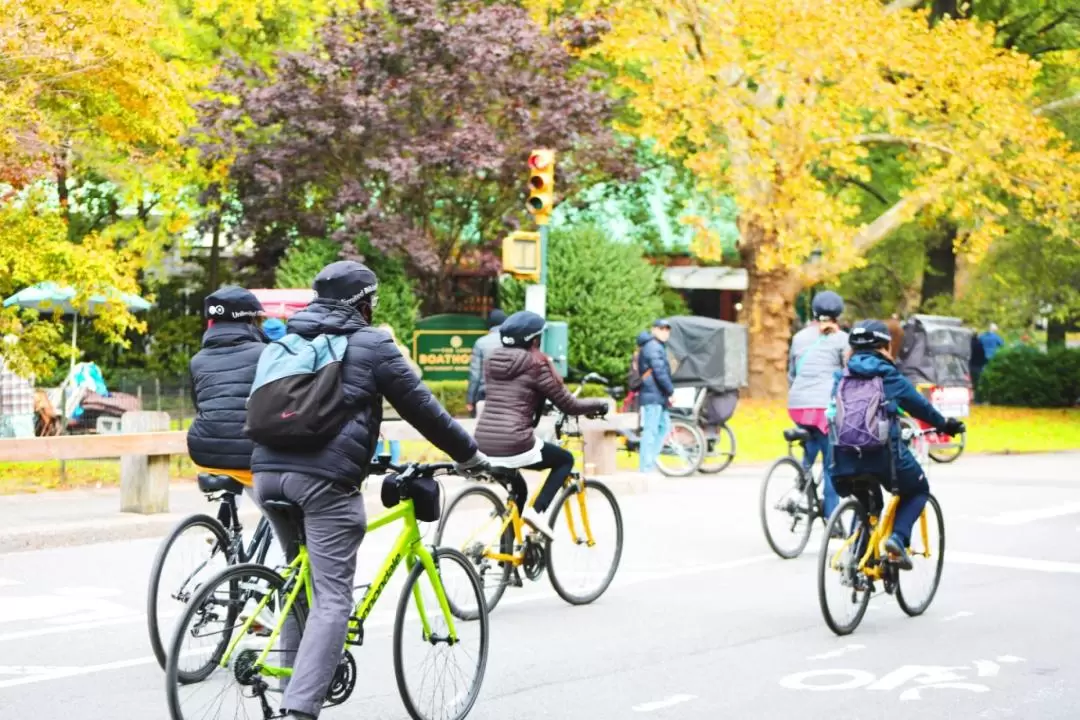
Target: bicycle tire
708	469
441	555
948	456
506	544
825	571
157	642
561	500
698	453
811	497
916	610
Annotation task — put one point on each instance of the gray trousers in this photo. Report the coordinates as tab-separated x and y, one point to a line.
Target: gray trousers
334	525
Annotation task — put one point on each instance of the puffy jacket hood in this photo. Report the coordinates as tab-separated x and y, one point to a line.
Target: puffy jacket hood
230	334
329	317
507	363
643	337
869	364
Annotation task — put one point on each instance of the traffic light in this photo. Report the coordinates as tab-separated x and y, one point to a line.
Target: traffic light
541	185
521	255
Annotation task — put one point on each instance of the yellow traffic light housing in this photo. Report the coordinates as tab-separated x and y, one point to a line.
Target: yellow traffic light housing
541	185
521	255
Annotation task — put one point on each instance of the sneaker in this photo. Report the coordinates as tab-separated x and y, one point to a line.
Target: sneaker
897	552
536	521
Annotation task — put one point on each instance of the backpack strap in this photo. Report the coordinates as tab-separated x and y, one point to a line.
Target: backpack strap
802	358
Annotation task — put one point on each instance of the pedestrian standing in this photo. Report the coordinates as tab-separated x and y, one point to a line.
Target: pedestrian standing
991	341
482	349
655	393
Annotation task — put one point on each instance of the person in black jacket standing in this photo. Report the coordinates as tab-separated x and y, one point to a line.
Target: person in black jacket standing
221	376
325	481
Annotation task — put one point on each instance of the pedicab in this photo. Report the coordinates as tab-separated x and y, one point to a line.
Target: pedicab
935	356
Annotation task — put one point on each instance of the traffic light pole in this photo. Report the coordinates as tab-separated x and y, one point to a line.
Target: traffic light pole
543	254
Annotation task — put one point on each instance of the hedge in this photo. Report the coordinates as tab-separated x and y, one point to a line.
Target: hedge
1028	377
451	393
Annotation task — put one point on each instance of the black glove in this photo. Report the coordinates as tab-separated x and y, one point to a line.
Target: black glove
953	426
598	411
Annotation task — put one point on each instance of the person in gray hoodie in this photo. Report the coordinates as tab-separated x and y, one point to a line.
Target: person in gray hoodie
817	353
483	349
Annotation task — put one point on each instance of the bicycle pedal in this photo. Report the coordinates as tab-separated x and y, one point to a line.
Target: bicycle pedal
355	633
515	579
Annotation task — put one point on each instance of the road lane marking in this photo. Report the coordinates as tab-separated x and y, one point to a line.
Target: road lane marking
1012	563
957	616
1022	517
838	652
66	672
7	582
94	625
665	703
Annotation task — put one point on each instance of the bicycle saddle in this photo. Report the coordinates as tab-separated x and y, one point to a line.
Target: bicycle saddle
290	510
212	483
796	435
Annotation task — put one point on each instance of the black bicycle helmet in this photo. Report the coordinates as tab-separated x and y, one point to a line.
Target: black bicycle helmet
349	282
827	304
521	328
869	335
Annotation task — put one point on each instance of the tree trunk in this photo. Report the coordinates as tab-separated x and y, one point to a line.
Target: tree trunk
770	310
1055	334
939	273
214	271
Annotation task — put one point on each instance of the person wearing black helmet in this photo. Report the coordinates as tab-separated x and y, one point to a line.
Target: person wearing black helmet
519	379
221	376
474	394
817	352
325	481
892	463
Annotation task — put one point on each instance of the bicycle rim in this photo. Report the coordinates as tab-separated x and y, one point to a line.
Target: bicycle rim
916	587
422	667
193	552
198	687
719	451
682	451
844	592
950	453
581	571
786	508
472	525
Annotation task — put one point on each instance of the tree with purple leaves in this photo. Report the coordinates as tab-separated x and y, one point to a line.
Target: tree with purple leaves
409	126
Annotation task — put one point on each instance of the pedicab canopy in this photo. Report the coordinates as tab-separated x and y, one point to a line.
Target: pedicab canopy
710	353
283	302
936	351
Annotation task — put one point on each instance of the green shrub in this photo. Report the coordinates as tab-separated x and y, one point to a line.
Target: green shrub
1028	377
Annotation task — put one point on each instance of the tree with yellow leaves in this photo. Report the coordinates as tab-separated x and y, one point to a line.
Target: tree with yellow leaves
779	101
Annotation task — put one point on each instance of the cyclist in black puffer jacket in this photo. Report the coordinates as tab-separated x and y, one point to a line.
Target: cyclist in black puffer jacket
221	376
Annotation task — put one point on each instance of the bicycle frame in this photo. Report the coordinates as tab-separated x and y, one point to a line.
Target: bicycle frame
881	531
407	547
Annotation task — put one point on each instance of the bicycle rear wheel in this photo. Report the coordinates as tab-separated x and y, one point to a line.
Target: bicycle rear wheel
682	451
461	662
916	587
843	591
478	516
584	570
719	451
788	508
196	550
948	452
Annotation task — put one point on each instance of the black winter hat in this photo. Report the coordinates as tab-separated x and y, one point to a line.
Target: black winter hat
347	281
232	304
496	318
869	335
521	328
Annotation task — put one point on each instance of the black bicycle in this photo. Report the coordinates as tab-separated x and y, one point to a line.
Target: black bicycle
791	497
197	549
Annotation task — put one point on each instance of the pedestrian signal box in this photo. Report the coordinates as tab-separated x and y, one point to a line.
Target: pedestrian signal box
521	255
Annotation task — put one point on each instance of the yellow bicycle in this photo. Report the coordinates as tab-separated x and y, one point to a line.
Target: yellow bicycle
853	558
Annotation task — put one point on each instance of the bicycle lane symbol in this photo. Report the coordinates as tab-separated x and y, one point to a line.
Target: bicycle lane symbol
917	677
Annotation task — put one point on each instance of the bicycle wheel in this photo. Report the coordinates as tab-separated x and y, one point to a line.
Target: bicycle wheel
460	663
683	450
195	550
478	516
719	451
948	452
598	561
788	508
838	568
916	587
196	682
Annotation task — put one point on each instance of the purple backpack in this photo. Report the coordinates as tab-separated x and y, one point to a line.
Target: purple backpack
862	414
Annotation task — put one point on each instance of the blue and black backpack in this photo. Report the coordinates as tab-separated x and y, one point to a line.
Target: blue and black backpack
297	401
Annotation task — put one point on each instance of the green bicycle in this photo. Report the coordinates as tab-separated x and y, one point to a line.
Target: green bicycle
242	612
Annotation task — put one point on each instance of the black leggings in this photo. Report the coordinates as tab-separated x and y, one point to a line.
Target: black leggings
554	458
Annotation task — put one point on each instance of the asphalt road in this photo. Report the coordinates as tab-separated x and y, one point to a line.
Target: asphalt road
701	622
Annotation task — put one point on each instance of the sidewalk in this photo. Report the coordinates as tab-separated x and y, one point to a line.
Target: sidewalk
82	517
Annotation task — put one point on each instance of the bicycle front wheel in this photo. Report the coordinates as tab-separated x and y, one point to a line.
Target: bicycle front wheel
682	451
585	554
475	524
193	552
844	591
448	670
916	587
719	450
788	508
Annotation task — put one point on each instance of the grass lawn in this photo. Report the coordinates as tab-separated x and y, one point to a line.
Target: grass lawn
757	426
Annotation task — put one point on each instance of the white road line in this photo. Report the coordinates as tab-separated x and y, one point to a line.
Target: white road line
58	673
661	704
1022	517
838	652
1012	563
94	625
7	582
957	616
